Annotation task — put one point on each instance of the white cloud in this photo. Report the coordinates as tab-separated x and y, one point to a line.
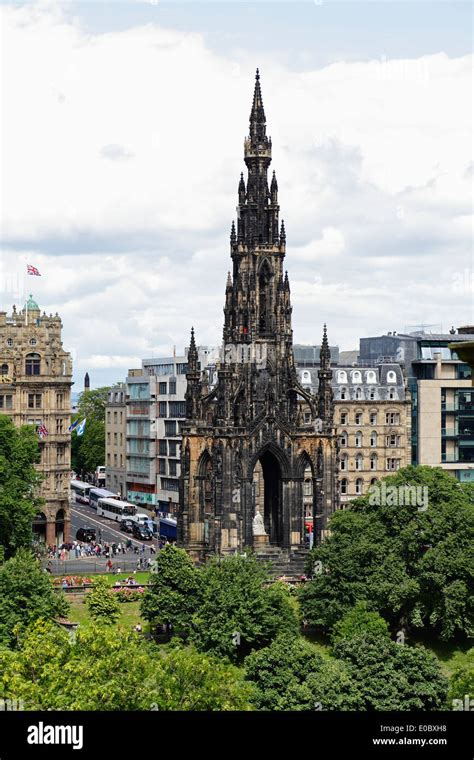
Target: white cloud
121	156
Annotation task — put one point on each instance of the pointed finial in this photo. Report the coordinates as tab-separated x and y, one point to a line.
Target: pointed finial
233	236
282	231
229	281
325	354
257	75
287	282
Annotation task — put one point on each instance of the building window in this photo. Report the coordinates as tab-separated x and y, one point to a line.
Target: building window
359	486
9	342
343	418
373	481
181	369
359	462
32	364
356	376
173	465
358	418
173	445
373	438
34	400
32	341
391	377
370	377
393	464
162	448
392	418
344	486
108	417
373	461
108	437
342	376
177	409
59	400
343	462
358	394
59	425
172	388
343	438
371	394
358	439
393	440
162	466
392	393
162	409
162	389
343	394
4	370
6	402
373	418
115	418
170	428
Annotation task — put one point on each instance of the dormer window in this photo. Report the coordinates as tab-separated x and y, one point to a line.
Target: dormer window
356	376
342	376
391	376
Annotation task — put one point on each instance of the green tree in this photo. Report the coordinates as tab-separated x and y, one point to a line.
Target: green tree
102	603
88	450
461	681
26	594
237	611
173	596
391	676
358	621
108	668
414	566
291	675
19	451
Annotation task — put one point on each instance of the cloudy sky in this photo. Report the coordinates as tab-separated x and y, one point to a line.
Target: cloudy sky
122	145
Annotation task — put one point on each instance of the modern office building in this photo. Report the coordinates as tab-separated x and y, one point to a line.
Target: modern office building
441	392
143	431
35	389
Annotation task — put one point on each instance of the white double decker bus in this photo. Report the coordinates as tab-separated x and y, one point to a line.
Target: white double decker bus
115	509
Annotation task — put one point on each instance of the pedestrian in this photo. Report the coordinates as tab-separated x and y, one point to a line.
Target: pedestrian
109	566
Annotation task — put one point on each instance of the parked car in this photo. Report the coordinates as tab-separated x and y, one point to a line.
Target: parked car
141	532
126	526
86	534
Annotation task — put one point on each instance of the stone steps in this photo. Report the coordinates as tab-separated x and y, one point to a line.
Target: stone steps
283	561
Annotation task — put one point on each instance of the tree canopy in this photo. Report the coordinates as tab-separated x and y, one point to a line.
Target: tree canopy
26	594
414	566
19	451
108	668
238	612
88	450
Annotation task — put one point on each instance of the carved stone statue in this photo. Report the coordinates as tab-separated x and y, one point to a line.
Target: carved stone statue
258	525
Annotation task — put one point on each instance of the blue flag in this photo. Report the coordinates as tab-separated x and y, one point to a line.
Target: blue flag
73	425
81	427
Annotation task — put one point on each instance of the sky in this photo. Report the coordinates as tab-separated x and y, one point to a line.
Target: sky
122	128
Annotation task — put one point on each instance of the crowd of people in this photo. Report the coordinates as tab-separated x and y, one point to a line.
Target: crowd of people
104	550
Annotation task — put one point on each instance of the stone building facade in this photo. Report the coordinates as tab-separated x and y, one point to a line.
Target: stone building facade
248	419
35	389
373	422
115	440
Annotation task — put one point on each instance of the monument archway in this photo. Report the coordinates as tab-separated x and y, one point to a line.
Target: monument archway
268	496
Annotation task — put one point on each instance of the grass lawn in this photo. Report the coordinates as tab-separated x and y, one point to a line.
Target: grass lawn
129	613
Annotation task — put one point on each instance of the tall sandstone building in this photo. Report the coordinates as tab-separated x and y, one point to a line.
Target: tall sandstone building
245	448
35	389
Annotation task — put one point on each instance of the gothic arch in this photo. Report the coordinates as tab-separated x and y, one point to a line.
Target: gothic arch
279	455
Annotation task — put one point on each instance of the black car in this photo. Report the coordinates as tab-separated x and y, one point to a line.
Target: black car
127	526
86	534
141	532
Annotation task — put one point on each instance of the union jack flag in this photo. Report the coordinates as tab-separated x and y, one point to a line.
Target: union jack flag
42	432
32	270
